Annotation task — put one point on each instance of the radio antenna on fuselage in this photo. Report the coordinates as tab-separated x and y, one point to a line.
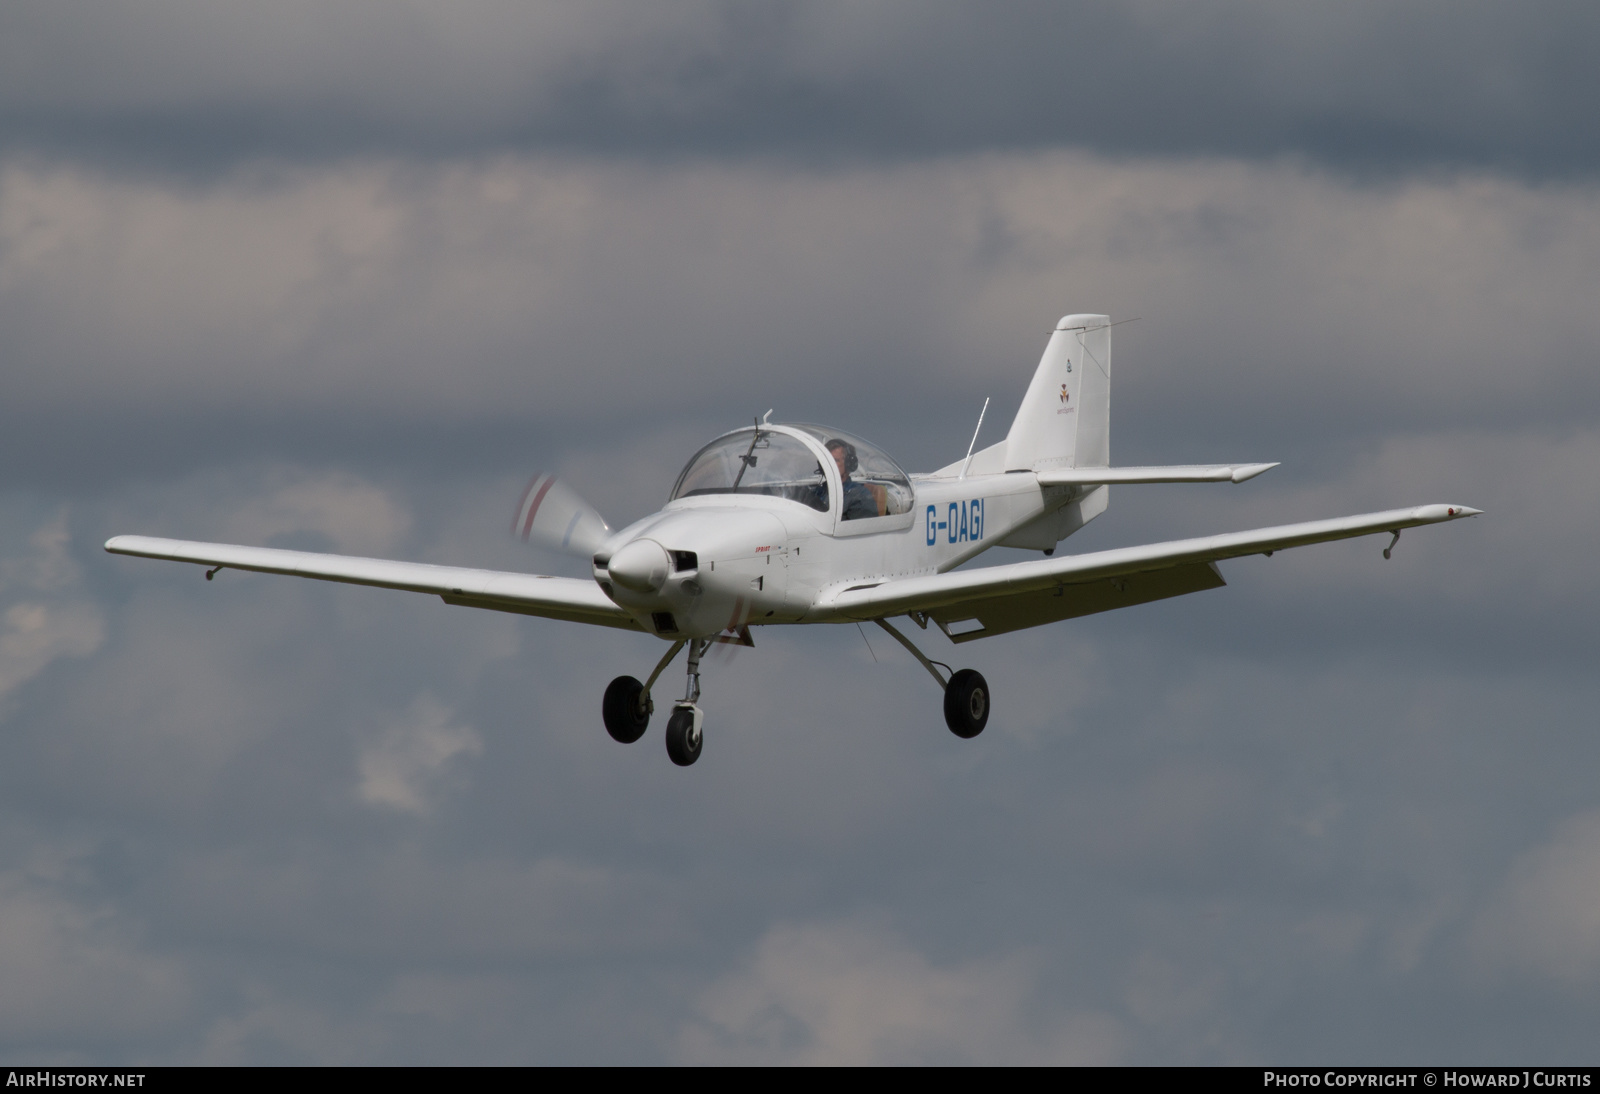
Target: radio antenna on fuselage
975	433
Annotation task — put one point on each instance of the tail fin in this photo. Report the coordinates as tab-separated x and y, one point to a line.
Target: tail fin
1065	418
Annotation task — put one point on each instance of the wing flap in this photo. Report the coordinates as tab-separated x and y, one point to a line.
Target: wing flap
989	616
525	594
935	591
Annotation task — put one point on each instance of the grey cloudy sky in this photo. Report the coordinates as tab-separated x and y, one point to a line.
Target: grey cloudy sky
1357	86
340	277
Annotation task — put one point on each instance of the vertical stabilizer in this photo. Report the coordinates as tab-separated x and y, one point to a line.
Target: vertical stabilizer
1065	417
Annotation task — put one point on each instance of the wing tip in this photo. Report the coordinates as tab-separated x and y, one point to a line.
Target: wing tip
1434	513
1248	471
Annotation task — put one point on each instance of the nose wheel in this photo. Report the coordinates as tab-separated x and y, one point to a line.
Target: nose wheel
684	739
683	728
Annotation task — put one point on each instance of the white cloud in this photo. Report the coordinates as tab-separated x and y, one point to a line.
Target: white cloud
36	634
53	619
546	287
852	994
1545	919
404	765
360	518
71	973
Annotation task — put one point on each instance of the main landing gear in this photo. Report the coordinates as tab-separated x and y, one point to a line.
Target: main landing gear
966	703
626	710
966	693
627	707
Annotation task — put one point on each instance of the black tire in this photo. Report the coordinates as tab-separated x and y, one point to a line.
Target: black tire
626	720
683	743
966	703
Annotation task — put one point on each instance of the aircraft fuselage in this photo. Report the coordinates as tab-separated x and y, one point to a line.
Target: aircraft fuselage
715	563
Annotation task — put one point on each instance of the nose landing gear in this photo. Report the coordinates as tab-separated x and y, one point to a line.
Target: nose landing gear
683	734
683	728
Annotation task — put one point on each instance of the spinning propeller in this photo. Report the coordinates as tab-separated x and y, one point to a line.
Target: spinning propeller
552	514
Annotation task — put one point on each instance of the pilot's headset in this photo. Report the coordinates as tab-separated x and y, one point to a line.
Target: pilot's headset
851	461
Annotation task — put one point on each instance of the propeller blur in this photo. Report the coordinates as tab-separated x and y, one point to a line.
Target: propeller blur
781	524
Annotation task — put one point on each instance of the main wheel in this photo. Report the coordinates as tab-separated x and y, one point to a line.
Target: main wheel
683	739
966	703
625	715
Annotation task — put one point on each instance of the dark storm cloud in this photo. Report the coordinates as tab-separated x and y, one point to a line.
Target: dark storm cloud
1366	87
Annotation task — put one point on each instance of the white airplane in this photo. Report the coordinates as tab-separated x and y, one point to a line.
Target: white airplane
776	524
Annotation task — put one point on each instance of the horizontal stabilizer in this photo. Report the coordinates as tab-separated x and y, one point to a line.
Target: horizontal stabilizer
1199	472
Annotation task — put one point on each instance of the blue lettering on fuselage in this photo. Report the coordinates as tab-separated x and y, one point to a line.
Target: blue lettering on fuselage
963	522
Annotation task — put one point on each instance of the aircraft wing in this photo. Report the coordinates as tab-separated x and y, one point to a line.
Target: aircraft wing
969	604
526	594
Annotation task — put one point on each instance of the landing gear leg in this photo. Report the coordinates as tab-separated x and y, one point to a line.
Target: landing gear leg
684	738
966	693
627	706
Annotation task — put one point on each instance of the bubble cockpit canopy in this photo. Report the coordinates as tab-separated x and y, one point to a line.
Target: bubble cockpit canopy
775	463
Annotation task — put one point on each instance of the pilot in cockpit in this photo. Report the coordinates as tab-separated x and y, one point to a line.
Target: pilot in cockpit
860	500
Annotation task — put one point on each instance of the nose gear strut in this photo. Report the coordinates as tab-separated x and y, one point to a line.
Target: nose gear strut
684	739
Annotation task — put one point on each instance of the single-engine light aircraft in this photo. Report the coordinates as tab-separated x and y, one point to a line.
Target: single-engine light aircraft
775	524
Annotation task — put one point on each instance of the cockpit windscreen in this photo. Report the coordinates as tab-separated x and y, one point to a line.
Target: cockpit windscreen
756	461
